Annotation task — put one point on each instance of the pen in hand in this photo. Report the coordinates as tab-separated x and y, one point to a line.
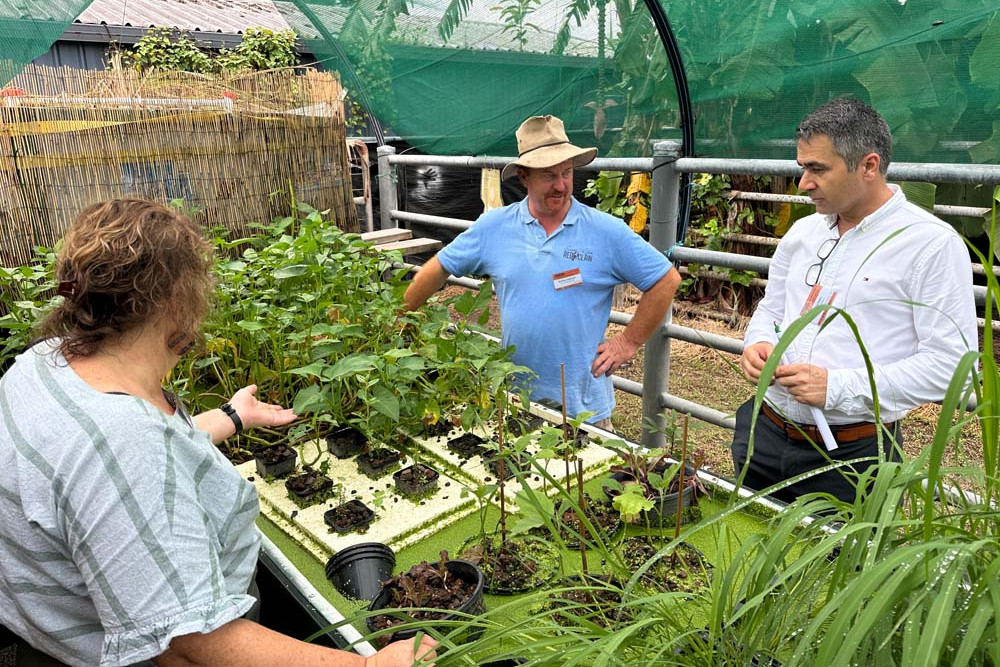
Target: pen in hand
818	417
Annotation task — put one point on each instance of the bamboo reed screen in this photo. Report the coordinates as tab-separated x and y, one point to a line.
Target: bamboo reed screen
236	149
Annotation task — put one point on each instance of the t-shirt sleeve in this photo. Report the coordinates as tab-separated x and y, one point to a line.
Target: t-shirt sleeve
144	541
636	261
463	256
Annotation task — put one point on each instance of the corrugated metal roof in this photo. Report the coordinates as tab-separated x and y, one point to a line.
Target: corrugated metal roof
225	16
232	17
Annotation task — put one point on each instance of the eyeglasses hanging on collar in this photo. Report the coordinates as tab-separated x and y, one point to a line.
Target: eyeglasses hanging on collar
814	271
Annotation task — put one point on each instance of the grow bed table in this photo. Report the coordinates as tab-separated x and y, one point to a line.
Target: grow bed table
309	583
399	521
443	520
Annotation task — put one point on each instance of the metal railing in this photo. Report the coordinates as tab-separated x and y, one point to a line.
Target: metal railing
666	168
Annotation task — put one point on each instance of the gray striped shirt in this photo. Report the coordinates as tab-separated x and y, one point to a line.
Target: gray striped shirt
120	527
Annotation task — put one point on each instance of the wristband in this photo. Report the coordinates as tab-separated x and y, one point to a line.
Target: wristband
231	411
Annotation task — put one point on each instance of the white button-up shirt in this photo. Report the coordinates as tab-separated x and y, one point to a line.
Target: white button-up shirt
904	279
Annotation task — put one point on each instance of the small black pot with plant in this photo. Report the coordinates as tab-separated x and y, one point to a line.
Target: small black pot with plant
522	424
467	445
416	480
353	515
513	463
592	598
684	569
514	565
438	429
601	515
647	487
309	487
429	593
379	461
346	441
275	460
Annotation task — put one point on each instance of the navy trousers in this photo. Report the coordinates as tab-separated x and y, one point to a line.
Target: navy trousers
777	457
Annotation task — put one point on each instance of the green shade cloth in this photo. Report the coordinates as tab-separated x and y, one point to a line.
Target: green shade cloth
28	28
458	76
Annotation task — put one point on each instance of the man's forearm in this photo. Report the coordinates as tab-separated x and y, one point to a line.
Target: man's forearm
652	308
429	279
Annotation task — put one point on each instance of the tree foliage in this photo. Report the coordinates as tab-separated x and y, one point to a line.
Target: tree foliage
172	50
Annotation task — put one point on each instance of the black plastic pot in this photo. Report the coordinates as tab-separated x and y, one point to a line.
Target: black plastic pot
517	426
358	571
541	552
439	429
408	487
467	445
665	573
602	606
511	466
318	483
602	516
345	442
475	605
376	462
664	510
360	515
275	461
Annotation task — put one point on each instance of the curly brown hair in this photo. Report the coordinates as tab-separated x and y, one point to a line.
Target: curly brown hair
124	264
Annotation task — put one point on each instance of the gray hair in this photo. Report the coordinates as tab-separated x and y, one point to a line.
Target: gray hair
854	128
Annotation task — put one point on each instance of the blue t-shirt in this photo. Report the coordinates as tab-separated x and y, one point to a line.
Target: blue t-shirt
550	326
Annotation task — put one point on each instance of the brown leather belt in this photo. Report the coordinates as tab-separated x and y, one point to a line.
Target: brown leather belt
843	434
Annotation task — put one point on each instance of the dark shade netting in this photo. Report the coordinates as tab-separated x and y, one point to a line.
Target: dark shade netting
458	76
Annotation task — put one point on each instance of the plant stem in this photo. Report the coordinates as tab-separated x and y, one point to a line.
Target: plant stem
680	488
501	473
565	427
582	502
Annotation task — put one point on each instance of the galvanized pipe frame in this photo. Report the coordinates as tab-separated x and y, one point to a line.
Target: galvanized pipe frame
491	162
939	209
666	169
930	172
934	172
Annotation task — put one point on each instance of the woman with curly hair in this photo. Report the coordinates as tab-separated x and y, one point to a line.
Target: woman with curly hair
125	535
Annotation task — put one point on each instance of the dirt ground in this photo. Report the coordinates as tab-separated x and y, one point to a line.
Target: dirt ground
713	378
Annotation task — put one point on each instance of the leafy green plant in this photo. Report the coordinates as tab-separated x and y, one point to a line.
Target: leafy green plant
648	476
610	189
27	293
312	313
515	15
169	49
260	49
714	216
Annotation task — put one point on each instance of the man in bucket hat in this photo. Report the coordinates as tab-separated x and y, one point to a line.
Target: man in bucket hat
554	263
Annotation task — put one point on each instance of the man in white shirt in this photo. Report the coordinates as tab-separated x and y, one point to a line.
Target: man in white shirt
893	270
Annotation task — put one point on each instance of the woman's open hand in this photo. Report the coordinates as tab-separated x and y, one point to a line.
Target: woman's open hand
255	413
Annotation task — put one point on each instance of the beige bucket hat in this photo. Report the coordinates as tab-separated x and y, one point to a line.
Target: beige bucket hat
541	143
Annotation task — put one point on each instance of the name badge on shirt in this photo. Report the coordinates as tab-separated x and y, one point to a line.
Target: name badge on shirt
819	295
565	279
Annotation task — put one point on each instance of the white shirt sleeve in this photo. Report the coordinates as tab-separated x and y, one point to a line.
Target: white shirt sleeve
945	327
